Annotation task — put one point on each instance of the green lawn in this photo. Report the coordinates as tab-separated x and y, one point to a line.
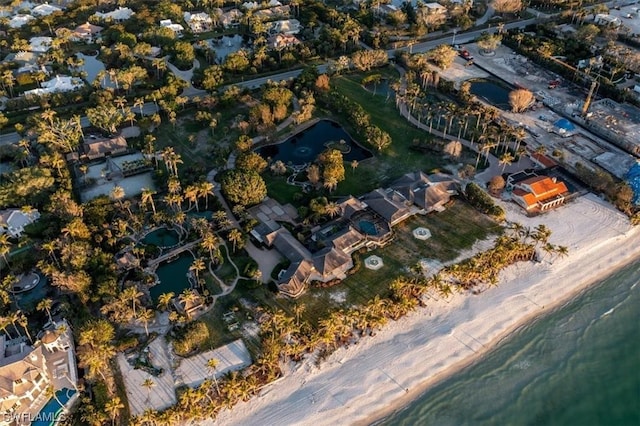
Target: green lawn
398	158
280	190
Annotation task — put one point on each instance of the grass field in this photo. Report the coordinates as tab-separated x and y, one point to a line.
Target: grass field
398	158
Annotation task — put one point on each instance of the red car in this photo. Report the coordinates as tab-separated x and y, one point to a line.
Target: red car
465	54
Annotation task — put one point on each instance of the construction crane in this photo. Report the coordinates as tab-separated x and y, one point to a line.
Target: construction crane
592	90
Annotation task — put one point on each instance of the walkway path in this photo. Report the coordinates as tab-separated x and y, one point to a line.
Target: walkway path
487	15
186	76
495	168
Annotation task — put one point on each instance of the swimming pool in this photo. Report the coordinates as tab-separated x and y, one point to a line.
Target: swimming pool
368	227
50	413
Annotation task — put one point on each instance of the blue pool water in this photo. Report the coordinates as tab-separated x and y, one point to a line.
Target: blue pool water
367	227
51	411
633	179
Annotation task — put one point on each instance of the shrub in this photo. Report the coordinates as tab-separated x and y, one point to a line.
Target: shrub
483	202
190	338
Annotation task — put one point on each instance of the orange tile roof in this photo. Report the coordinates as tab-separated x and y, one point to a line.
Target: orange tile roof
542	188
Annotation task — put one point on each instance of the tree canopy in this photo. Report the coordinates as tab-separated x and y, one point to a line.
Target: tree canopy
244	187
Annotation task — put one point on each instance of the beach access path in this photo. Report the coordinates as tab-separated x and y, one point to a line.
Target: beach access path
357	384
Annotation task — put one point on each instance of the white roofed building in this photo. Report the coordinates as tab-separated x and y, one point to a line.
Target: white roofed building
57	84
20	20
121	14
198	22
40	44
13	221
45	9
287	26
28	371
176	28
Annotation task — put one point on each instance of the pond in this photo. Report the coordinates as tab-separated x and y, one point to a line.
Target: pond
492	92
93	66
162	238
225	45
381	88
172	276
305	146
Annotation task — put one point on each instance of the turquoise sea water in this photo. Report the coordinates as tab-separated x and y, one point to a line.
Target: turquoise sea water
578	365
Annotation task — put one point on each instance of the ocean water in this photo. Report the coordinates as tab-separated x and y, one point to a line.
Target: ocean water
578	365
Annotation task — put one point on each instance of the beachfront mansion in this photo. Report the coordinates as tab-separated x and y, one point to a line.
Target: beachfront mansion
30	373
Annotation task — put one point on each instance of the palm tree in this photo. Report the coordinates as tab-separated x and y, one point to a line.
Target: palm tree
117	194
298	309
113	407
332	209
164	300
5	246
196	267
148	384
212	366
45	305
506	159
205	189
146	316
354	165
187	297
235	236
24	323
147	197
132	294
209	243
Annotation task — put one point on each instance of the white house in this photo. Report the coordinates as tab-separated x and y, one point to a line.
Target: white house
40	44
60	83
45	9
176	28
436	8
121	14
198	22
20	20
250	5
13	221
287	26
27	372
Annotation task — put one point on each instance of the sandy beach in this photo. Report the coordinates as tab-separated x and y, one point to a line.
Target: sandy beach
361	383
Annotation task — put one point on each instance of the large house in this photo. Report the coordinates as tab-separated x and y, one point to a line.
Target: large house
121	14
29	372
13	221
198	22
87	33
365	222
287	26
539	193
61	83
176	28
102	147
231	18
45	9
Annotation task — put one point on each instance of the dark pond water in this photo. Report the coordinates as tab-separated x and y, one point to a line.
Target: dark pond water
172	276
492	92
162	237
305	146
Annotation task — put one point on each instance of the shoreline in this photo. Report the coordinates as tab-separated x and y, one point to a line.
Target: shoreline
564	300
365	382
